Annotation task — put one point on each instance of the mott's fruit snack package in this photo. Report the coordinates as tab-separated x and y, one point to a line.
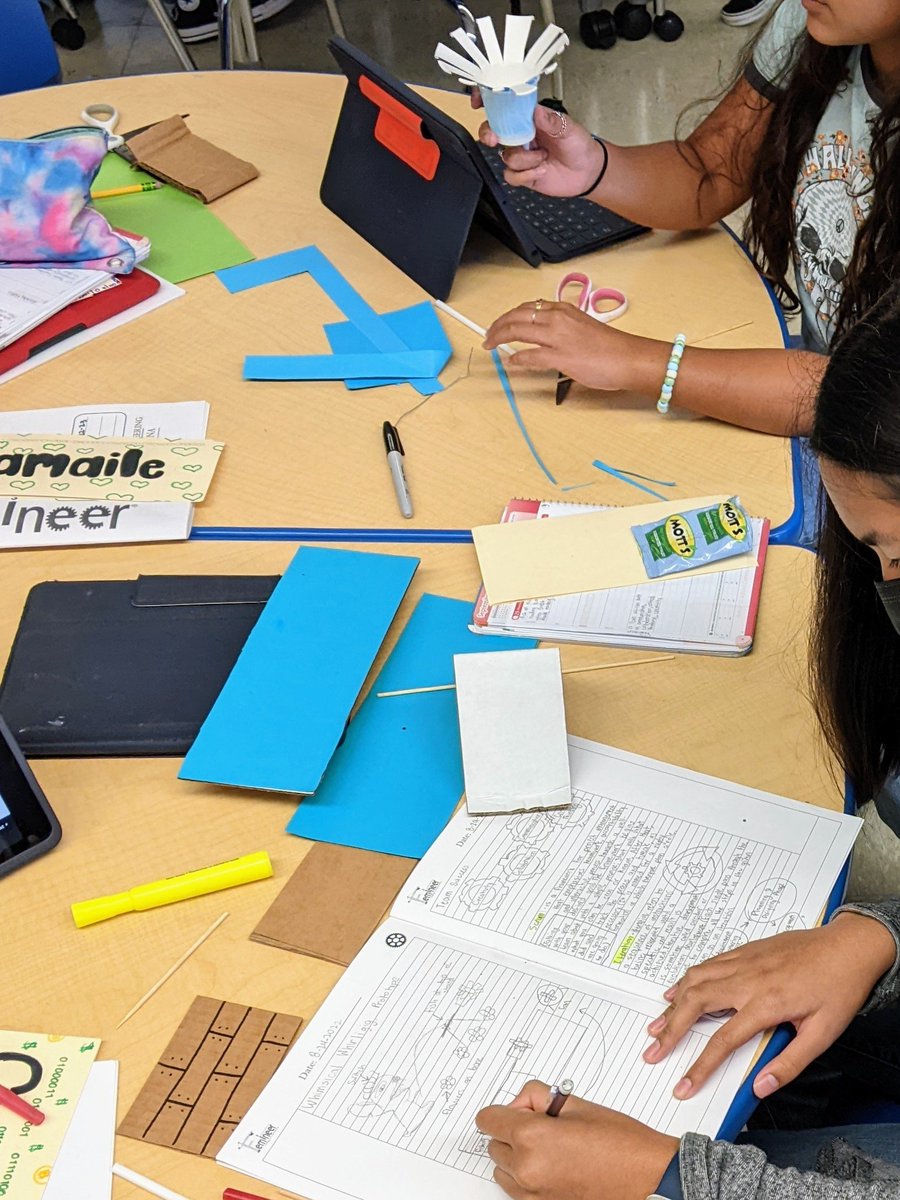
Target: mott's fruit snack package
693	538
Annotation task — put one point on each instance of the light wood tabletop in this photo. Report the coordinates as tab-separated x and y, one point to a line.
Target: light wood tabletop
129	820
311	453
318	452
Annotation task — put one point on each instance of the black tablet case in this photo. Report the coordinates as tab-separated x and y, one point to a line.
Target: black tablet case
125	667
374	177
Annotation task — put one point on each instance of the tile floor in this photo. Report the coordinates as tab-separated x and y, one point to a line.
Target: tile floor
633	92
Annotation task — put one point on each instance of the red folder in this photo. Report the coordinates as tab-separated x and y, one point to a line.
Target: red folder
127	291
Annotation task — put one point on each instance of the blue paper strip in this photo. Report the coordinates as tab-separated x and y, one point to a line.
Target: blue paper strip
284	707
504	380
375	368
602	466
311	260
397	777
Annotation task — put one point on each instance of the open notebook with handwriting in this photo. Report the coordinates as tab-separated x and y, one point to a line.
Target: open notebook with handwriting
536	946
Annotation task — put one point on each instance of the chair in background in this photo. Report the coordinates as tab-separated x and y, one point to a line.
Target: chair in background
27	54
67	31
630	19
237	38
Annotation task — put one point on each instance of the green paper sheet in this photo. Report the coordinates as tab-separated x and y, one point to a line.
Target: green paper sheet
187	239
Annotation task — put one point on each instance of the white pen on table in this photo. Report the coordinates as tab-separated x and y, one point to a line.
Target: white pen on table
458	316
145	1184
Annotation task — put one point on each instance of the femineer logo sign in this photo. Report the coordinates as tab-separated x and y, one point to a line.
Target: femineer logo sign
36	522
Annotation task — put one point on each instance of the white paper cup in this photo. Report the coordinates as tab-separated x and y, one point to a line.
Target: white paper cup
510	115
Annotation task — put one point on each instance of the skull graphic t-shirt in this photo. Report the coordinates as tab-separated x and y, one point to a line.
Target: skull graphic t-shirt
833	193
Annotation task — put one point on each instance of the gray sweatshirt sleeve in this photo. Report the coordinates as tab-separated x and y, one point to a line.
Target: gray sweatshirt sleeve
721	1171
887	991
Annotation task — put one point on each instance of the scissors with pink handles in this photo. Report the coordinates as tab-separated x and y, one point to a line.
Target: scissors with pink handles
603	304
589	299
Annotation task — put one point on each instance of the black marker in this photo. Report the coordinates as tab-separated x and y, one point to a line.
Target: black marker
394	448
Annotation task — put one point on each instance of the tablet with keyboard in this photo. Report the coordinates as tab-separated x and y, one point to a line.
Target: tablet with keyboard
411	181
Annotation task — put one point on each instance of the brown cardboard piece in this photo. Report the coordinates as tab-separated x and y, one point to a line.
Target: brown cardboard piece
171	152
218	1062
333	902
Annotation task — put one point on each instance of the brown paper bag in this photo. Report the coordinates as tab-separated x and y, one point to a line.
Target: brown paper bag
171	152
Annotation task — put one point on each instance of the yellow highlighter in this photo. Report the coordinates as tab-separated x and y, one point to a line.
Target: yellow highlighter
178	887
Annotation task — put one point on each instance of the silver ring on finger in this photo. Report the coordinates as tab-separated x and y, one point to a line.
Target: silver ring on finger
538	305
500	156
563	126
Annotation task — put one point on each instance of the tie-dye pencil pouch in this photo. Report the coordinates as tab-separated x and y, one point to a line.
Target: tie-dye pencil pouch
45	214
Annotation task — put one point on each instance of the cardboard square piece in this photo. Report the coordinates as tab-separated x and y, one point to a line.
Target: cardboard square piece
333	902
218	1062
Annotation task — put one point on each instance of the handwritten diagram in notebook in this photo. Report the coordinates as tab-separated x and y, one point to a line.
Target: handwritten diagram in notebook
536	945
696	613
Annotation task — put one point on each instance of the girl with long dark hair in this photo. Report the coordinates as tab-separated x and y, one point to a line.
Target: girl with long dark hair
807	134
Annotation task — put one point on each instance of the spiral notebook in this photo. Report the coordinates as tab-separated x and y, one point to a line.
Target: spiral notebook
694	614
538	946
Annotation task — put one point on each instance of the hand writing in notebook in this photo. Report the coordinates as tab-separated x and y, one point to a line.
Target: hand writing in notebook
564	1159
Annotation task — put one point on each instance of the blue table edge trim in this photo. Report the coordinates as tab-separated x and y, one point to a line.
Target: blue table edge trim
770	291
263	533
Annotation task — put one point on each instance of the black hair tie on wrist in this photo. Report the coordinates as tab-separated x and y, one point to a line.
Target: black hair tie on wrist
599	179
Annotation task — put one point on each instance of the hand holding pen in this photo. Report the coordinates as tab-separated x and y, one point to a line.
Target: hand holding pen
592	1151
559	1094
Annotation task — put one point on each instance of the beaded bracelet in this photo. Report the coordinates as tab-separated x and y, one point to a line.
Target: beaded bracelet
600	142
665	394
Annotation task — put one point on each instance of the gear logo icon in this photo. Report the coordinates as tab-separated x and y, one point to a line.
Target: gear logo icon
58	518
395	940
93	517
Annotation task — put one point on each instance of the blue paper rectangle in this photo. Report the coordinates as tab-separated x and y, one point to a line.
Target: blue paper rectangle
397	777
285	705
411	364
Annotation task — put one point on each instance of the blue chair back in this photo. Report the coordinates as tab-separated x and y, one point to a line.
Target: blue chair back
802	526
27	54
